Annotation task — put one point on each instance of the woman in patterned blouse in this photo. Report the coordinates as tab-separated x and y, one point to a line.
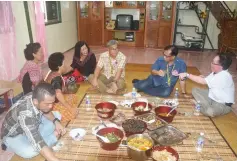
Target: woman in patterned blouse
31	74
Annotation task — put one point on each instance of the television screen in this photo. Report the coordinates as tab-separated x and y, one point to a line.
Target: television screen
124	22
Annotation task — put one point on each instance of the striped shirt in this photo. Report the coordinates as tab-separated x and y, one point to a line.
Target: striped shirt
24	118
110	66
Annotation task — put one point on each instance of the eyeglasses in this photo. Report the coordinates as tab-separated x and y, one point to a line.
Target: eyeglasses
167	56
213	63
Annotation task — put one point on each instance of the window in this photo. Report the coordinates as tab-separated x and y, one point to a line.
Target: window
52	12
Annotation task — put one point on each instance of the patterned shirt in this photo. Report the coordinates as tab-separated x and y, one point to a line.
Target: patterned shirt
110	66
24	118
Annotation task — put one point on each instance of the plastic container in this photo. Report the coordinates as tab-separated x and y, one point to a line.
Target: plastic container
176	93
88	102
197	109
134	93
200	142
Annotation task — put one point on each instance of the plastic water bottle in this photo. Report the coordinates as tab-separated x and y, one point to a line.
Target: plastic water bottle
176	93
200	142
88	102
134	94
197	109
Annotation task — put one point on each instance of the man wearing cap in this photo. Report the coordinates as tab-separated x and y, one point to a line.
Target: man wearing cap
109	75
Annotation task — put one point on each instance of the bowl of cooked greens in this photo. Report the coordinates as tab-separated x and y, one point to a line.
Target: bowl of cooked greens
114	135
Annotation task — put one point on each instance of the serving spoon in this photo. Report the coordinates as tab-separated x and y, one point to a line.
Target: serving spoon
171	111
104	139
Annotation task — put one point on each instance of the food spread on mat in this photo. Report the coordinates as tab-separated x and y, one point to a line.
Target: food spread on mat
134	126
140	143
112	137
163	155
141	108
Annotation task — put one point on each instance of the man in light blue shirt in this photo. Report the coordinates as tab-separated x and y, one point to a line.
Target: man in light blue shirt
164	74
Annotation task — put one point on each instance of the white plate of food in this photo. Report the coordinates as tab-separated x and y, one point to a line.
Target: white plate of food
171	102
77	134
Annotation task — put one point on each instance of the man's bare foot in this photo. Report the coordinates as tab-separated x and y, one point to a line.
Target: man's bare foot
114	87
110	91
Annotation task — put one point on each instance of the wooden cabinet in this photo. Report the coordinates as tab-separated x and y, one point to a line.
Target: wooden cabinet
129	4
91	22
159	23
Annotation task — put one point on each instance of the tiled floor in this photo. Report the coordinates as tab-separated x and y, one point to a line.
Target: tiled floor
148	56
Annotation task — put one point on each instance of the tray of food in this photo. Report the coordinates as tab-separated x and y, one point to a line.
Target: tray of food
167	135
151	120
118	119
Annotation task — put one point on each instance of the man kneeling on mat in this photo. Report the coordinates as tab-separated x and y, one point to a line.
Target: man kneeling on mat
30	127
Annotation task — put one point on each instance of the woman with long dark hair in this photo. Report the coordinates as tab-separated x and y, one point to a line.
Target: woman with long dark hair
83	60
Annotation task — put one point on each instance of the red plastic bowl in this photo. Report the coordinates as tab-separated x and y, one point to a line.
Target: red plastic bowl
136	104
167	148
105	105
133	126
165	109
110	146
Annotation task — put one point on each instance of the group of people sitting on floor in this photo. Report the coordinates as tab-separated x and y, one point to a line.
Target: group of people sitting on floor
33	124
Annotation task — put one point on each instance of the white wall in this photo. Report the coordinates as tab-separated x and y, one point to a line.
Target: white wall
22	36
59	37
63	36
189	17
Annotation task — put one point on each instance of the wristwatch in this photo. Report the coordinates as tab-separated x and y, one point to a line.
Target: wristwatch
187	75
56	119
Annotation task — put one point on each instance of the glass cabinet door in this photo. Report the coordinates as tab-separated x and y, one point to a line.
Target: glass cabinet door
96	10
84	9
130	4
167	10
154	7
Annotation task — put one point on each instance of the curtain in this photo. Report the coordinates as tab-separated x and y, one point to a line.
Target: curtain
40	26
7	42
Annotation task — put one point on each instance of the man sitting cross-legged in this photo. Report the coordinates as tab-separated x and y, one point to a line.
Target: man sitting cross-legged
30	127
164	75
109	75
216	100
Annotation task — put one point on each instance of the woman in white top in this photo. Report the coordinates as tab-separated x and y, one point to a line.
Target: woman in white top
218	99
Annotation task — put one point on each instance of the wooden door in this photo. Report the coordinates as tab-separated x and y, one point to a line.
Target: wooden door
165	30
96	22
139	39
152	22
164	34
83	21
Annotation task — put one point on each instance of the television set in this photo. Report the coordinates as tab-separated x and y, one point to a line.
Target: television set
124	22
